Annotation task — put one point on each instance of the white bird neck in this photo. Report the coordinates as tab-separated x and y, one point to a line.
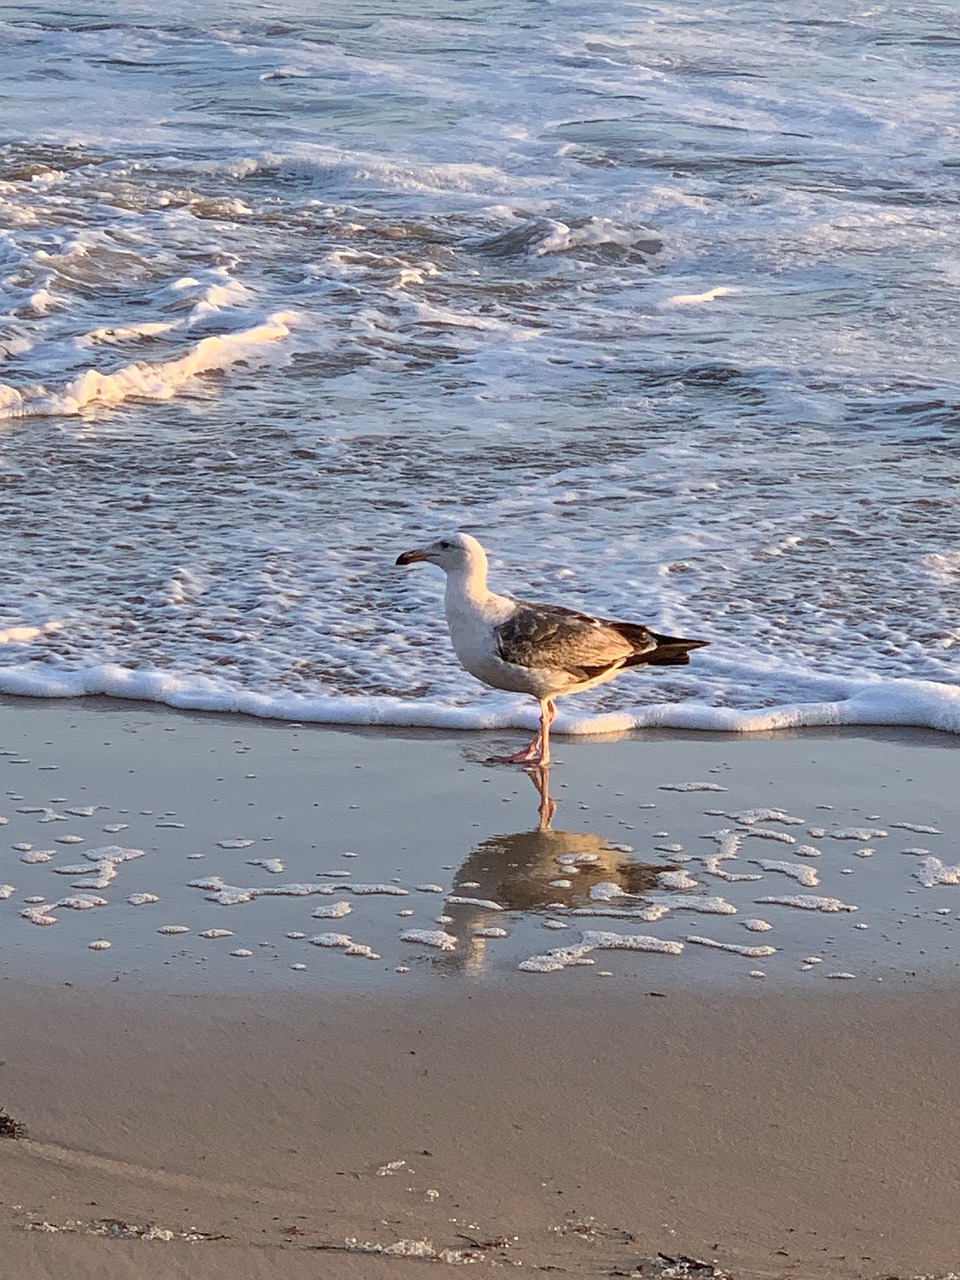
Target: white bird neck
467	586
469	603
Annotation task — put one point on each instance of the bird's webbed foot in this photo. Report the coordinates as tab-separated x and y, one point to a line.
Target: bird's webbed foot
530	755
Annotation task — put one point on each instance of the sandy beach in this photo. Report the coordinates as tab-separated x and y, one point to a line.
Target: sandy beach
657	306
342	1109
811	1137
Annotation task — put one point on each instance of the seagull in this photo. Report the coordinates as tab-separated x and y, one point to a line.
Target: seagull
544	650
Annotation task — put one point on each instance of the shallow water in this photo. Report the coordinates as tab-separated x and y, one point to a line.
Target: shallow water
213	851
657	301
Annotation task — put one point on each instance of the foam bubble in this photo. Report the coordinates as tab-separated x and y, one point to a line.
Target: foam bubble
698	299
648	913
691	786
559	958
932	872
607	891
755	953
391	890
676	880
361	949
729	842
274	865
708	904
712	867
781	837
750	817
334	911
808	902
605	941
798	871
40	915
438	938
863	834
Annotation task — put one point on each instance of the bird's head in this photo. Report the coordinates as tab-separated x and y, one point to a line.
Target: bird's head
453	553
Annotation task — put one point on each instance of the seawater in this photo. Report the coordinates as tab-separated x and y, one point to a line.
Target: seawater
659	301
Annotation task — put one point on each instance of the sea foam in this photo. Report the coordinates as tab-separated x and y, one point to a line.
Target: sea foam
141	381
892	702
285	358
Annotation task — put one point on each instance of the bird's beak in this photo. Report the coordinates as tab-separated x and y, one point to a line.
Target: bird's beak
411	557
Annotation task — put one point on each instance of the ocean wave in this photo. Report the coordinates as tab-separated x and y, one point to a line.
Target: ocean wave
681	355
142	381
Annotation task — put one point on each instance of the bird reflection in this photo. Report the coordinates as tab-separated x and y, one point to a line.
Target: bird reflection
532	871
539	775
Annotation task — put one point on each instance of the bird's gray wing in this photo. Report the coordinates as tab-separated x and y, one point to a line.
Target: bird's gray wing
545	635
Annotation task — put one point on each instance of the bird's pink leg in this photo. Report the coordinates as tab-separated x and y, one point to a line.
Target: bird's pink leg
538	751
548	713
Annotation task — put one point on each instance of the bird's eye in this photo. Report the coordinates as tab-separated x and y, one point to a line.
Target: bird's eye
445	545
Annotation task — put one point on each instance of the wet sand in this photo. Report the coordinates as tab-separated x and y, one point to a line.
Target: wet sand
585	1118
271	834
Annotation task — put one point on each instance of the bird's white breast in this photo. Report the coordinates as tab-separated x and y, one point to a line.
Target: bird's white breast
472	626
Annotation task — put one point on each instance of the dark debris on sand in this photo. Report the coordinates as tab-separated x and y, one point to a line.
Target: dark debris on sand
10	1128
680	1266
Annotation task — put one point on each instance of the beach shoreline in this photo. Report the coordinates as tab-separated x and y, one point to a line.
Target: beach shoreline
189	1113
229	834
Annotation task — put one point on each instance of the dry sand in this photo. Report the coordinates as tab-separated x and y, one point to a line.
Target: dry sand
793	1127
805	1137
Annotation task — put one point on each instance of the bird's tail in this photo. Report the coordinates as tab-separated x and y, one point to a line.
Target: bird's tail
671	651
654	649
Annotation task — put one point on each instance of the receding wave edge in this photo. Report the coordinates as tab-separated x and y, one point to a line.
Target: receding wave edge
875	701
